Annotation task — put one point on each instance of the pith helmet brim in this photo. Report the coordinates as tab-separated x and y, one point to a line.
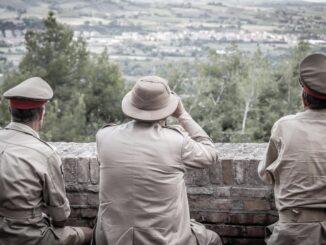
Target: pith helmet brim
148	115
150	100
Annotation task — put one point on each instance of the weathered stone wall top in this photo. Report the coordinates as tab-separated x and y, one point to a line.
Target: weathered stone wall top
78	150
250	151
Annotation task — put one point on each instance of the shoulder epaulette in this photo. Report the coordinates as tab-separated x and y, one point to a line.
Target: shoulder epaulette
109	125
47	144
39	139
177	128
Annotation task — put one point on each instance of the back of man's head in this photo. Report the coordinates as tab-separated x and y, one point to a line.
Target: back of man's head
27	100
26	115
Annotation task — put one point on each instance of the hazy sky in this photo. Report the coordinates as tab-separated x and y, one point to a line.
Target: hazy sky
239	1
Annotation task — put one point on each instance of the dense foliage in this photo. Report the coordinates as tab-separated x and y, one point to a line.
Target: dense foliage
235	96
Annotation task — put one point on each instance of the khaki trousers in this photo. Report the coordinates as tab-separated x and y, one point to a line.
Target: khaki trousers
298	226
203	236
69	235
200	235
297	234
38	230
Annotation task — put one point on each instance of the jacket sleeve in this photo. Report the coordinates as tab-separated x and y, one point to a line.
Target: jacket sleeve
270	157
54	190
198	150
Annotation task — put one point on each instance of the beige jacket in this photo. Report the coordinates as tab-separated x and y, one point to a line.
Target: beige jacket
30	177
295	161
143	198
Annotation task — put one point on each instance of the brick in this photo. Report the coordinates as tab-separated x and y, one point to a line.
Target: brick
194	190
265	192
256	204
93	199
239	169
198	177
91	188
83	169
210	216
253	218
88	212
227	230
77	199
227	171
210	203
80	222
75	213
73	187
272	202
70	169
238	230
222	191
243	241
215	173
233	217
251	174
94	171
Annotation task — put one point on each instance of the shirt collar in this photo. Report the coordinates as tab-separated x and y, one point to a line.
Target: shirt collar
22	128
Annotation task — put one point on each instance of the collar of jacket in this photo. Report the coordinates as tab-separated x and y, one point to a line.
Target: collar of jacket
22	128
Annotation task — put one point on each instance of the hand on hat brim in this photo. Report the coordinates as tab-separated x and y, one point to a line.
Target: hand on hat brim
179	110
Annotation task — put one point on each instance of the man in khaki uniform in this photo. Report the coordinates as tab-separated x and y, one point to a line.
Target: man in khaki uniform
31	175
295	163
143	198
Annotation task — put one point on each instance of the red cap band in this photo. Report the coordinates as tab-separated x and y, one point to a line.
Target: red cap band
313	93
26	104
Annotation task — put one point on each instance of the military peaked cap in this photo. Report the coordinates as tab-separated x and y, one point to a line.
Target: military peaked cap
313	75
31	93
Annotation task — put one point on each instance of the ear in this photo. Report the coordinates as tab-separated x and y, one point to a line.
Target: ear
42	113
304	99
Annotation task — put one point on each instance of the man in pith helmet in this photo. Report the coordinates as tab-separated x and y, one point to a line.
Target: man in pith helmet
295	163
143	198
31	175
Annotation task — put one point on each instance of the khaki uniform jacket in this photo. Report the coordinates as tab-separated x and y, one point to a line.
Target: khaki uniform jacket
143	198
30	177
295	161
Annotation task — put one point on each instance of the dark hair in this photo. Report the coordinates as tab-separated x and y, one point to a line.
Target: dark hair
313	102
25	115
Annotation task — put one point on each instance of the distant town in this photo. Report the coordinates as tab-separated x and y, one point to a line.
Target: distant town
143	32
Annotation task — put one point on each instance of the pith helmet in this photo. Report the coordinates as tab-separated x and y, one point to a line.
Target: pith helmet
150	100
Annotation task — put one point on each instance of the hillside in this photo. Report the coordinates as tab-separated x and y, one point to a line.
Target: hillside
152	31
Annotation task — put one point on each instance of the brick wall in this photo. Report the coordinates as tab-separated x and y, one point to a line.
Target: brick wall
228	197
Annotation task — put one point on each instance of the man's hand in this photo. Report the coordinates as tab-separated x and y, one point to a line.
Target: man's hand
180	110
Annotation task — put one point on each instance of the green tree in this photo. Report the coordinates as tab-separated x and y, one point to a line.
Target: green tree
218	104
86	90
259	73
104	93
54	55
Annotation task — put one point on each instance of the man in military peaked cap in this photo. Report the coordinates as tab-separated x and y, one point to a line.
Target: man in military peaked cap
295	163
143	197
31	176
